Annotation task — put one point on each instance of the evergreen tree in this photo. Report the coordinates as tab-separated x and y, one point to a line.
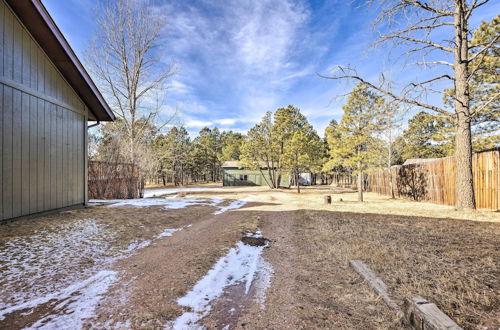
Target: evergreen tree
356	147
303	153
259	149
427	136
231	142
172	150
287	121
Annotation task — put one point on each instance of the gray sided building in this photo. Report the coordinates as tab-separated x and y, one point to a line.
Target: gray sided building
46	100
234	175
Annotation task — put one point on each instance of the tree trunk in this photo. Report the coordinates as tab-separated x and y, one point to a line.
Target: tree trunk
297	181
463	143
360	186
391	180
463	157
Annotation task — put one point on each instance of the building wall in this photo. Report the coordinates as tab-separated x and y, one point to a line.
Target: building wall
235	177
43	127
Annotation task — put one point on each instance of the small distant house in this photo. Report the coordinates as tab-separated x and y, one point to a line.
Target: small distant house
305	179
235	175
46	101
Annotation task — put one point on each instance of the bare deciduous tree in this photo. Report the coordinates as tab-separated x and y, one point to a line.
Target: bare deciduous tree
418	26
128	69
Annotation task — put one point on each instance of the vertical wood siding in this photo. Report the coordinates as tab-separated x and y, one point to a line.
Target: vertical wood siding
43	125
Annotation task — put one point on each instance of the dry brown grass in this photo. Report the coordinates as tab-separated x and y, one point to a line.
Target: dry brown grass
312	198
415	248
452	263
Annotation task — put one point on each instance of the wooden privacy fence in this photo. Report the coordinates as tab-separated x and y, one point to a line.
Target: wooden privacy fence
113	180
434	181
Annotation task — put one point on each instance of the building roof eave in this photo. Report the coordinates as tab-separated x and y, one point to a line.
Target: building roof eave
42	27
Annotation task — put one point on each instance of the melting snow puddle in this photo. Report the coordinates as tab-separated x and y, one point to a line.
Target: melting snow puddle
46	272
242	272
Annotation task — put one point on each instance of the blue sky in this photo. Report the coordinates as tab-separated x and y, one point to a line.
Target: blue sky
238	59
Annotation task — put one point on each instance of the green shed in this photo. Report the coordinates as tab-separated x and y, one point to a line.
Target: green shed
234	175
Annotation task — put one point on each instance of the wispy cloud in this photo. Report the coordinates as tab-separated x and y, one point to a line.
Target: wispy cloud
238	59
198	123
226	121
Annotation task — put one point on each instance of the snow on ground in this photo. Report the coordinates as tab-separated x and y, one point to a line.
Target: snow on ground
65	265
240	265
236	204
171	191
74	303
52	258
167	203
174	203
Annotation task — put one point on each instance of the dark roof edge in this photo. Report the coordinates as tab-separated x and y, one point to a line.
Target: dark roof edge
42	27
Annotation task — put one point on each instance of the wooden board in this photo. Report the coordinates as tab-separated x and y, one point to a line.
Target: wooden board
376	284
423	315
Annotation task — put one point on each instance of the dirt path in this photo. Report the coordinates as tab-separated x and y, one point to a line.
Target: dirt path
165	271
126	267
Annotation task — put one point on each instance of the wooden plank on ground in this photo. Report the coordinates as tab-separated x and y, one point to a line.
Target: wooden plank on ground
424	315
376	284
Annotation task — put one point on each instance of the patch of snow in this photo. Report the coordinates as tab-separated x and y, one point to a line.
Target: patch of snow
135	245
236	204
50	259
167	203
217	200
66	259
120	325
168	232
257	234
171	191
173	203
74	303
239	265
265	272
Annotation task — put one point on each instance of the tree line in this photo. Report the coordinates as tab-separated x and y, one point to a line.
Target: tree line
437	35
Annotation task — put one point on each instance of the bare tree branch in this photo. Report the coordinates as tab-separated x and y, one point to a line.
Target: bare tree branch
387	92
485	48
431	80
435	63
485	104
422	41
427	7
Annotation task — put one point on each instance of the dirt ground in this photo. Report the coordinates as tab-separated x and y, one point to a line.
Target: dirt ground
451	258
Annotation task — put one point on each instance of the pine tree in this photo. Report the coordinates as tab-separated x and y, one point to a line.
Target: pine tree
427	136
356	147
287	121
260	149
